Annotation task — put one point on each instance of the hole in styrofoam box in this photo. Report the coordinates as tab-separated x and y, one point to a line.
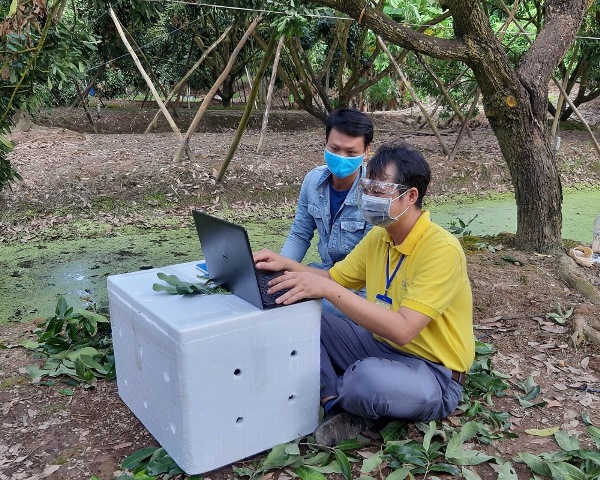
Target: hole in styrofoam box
293	353
292	397
239	420
237	372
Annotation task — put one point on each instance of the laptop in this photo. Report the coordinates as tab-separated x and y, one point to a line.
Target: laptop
228	256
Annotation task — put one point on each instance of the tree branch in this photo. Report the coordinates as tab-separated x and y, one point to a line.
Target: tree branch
562	21
366	15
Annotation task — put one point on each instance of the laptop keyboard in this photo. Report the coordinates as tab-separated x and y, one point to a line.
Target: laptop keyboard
263	278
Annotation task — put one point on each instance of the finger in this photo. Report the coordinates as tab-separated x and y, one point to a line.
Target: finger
276	284
292	296
288	277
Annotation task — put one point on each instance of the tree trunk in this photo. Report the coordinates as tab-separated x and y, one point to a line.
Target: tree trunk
227	91
536	181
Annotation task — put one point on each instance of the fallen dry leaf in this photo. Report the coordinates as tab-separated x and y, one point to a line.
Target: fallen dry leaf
585	362
49	470
555	329
122	445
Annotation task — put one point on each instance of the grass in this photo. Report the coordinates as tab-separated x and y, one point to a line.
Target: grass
12	382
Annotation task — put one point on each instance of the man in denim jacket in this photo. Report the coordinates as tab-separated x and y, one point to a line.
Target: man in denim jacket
327	201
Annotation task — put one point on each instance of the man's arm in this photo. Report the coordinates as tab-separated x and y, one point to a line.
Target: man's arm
268	260
399	326
302	230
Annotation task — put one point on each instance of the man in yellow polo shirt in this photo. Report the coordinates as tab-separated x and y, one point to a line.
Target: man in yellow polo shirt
403	352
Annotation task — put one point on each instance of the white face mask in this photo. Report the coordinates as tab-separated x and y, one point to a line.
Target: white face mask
376	210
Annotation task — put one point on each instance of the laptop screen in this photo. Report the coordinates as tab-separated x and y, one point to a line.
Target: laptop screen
228	256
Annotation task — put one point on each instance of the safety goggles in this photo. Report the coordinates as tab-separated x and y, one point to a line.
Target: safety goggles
378	187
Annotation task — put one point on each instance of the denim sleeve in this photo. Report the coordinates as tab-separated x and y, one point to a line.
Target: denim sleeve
302	231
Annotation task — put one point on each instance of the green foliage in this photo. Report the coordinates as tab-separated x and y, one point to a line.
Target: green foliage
414	12
380	94
560	316
483	382
459	227
148	463
76	344
295	16
474	243
36	48
571	461
7	172
179	287
532	391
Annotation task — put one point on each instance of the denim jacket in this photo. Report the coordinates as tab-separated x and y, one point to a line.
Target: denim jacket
336	239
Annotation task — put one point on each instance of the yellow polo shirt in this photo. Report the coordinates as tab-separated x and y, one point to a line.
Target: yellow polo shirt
432	279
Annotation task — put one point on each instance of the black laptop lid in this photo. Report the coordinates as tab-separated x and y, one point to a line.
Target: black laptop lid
226	250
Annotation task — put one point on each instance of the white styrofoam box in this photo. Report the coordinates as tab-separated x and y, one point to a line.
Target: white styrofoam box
213	378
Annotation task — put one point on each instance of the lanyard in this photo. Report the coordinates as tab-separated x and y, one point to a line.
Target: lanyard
388	279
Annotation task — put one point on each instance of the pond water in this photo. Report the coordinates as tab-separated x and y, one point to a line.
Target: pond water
32	276
499	214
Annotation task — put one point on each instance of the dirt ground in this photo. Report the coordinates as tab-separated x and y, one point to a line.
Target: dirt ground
70	174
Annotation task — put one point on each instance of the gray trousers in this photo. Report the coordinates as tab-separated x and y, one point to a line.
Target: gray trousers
373	380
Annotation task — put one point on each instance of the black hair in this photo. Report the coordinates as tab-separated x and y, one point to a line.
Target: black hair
411	168
351	122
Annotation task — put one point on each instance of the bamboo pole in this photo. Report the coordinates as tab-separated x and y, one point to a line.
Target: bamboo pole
441	97
413	94
578	113
251	83
445	93
450	119
82	95
246	116
559	105
206	102
188	75
145	98
85	108
265	122
464	126
150	69
149	82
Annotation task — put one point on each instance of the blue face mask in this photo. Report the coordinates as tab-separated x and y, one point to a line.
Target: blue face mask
342	167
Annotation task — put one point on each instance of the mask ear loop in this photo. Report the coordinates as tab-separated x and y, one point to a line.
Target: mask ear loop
405	210
398	216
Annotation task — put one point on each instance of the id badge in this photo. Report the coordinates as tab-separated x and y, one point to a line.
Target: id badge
383	301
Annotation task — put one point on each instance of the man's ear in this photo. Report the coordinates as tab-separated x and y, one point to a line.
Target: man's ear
413	195
367	151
